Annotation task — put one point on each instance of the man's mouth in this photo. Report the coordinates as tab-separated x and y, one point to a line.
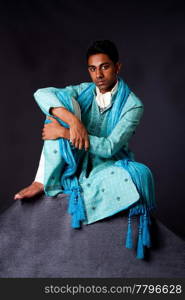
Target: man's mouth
100	82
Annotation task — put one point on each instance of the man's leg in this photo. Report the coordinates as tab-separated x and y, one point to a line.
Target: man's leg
39	185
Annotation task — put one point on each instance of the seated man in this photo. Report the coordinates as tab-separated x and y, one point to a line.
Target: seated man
86	153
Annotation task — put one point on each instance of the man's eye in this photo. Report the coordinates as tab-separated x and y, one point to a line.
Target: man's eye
91	69
105	67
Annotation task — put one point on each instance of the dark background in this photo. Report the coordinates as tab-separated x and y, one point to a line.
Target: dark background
43	43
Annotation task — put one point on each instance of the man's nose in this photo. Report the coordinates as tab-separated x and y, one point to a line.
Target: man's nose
99	73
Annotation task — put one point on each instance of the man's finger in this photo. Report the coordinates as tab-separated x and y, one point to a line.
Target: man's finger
86	144
80	146
17	196
52	119
48	125
76	144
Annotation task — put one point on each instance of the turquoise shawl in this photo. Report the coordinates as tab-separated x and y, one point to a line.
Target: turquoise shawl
140	173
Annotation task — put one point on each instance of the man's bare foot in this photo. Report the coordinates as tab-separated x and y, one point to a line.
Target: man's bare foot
30	191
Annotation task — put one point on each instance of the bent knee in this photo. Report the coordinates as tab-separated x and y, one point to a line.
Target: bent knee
77	109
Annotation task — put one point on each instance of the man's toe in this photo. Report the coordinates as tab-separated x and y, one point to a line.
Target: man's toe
17	197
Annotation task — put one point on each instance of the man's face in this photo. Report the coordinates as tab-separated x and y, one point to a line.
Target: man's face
103	71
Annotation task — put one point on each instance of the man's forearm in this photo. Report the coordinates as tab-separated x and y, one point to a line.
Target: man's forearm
65	115
77	132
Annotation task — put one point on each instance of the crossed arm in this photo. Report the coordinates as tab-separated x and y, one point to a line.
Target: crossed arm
76	133
102	146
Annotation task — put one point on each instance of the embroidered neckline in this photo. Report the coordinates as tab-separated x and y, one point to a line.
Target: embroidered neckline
102	99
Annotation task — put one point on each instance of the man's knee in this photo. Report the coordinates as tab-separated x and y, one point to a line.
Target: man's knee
77	109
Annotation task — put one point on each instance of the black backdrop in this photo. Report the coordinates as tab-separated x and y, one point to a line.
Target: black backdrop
43	43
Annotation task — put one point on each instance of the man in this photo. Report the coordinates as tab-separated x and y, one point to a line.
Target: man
97	167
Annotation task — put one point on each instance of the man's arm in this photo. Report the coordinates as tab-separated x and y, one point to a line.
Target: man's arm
102	146
77	132
106	147
47	98
120	136
50	104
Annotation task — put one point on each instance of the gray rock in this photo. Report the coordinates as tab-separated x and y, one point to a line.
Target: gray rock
36	240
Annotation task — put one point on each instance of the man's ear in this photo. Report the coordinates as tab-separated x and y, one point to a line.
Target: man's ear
118	67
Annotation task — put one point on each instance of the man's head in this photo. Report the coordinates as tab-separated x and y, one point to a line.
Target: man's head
103	64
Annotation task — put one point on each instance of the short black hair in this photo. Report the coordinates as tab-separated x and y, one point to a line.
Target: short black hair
106	47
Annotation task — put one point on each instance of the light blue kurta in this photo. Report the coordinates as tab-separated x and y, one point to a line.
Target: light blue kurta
107	189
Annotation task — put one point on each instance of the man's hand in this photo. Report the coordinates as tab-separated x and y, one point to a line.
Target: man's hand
79	135
53	130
